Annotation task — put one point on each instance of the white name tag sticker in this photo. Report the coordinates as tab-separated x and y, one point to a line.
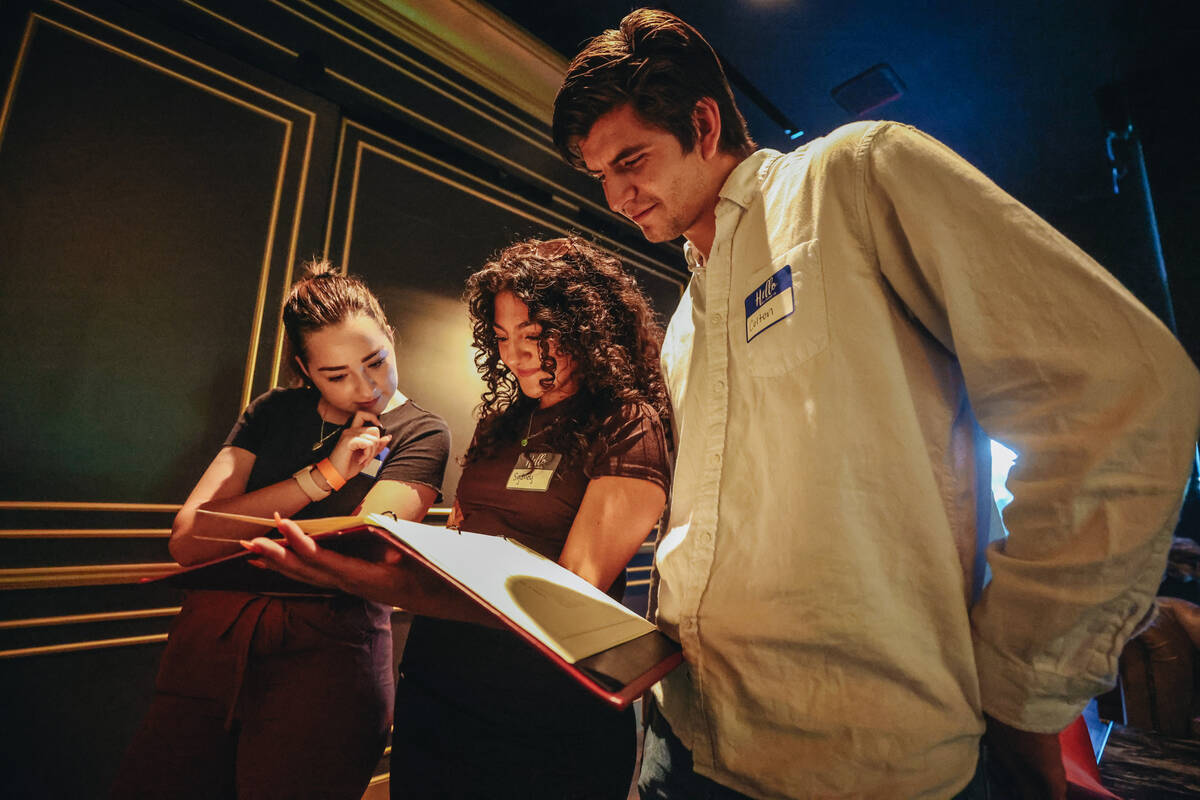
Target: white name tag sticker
770	303
533	472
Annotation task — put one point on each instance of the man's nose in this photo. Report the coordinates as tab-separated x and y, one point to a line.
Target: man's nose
618	193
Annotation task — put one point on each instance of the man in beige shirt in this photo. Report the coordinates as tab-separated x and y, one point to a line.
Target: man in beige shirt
863	314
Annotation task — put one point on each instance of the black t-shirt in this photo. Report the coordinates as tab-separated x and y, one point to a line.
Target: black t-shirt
281	426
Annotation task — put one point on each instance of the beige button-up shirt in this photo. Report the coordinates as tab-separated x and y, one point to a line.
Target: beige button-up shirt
873	308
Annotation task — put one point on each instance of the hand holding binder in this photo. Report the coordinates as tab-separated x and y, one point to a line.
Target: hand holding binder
607	648
385	577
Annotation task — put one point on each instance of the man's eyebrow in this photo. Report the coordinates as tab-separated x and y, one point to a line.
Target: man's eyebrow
619	157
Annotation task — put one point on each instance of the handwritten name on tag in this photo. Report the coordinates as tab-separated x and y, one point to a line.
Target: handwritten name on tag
533	472
770	303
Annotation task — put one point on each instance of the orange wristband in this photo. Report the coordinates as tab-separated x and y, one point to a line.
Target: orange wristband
326	468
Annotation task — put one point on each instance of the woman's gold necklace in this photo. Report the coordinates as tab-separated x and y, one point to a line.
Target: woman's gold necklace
323	436
529	427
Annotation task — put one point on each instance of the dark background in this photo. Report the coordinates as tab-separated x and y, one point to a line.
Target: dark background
164	166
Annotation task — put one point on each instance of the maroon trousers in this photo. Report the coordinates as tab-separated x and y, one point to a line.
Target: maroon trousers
265	697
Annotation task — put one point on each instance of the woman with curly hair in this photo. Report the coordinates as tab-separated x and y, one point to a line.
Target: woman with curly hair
569	458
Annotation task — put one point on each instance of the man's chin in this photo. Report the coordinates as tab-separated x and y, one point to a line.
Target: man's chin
655	234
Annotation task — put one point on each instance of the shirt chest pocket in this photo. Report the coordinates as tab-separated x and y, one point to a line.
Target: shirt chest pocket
784	321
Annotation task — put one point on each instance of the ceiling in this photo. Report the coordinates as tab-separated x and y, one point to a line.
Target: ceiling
1010	85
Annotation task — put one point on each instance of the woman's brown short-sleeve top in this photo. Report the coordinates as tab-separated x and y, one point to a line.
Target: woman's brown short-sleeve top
530	493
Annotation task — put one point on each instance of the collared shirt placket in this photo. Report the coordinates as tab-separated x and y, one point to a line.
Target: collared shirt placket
715	339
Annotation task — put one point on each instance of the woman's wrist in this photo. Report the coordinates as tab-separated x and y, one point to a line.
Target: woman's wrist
311	483
331	473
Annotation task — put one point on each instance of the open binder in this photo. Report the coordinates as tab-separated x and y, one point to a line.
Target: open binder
608	649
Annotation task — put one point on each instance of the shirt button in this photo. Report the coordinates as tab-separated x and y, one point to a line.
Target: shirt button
719	387
705	537
717	319
714	459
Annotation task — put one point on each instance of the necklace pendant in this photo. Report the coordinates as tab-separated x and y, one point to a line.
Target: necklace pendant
524	442
317	446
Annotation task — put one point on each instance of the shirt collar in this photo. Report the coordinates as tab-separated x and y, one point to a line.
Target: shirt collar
739	188
742	184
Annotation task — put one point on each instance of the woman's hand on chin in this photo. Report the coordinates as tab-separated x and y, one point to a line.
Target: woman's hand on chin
362	440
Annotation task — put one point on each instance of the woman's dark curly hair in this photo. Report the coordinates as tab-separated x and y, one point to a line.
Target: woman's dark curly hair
594	312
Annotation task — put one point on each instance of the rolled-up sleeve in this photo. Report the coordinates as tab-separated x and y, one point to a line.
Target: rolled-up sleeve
1065	367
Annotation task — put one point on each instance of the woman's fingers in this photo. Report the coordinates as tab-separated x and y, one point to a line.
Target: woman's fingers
270	555
356	447
300	542
362	418
305	560
302	559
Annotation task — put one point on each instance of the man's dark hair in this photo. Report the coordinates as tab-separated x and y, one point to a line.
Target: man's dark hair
661	66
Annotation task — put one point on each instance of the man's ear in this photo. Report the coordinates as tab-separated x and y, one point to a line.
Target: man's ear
706	118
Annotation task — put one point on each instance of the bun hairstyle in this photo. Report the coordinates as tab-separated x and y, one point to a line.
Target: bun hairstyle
324	296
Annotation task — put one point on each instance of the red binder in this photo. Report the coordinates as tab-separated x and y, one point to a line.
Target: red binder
481	568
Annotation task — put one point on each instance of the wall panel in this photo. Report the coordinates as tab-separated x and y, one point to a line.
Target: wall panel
148	205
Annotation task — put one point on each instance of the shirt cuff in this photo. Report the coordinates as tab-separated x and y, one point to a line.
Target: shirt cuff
1027	699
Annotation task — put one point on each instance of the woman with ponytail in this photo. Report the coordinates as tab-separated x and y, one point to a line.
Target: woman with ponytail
272	695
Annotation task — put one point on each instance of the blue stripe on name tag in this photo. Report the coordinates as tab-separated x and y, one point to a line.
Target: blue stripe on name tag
770	303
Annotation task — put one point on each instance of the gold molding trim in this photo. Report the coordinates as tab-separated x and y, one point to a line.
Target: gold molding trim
542	216
291	257
11	92
337	177
473	146
644	582
72	647
264	276
452	37
376	12
87	533
69	505
188	59
242	28
351	202
112	48
285	154
76	619
88	575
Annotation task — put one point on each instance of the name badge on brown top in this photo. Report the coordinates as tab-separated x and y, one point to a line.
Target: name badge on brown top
533	472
